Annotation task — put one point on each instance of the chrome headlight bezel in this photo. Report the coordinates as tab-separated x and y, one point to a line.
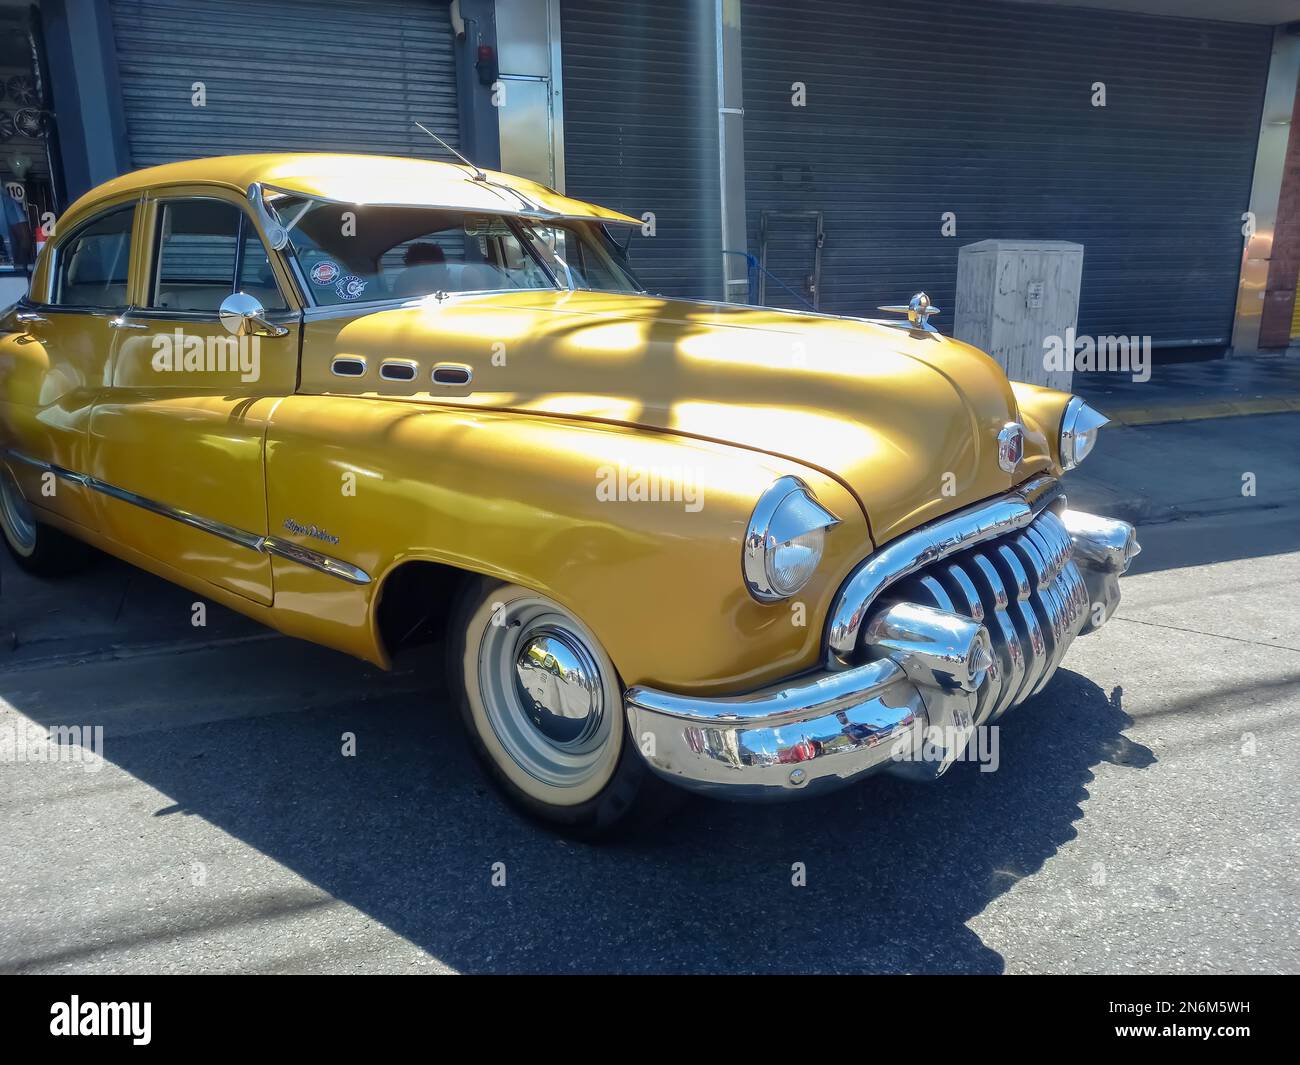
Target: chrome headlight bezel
1079	427
786	511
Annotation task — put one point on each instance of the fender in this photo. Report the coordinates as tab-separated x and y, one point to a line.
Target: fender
537	501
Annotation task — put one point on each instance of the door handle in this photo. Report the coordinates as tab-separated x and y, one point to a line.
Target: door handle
122	323
31	316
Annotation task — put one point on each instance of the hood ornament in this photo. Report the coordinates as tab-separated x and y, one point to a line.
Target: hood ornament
918	311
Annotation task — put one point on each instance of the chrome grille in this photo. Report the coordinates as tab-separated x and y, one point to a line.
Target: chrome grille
1025	589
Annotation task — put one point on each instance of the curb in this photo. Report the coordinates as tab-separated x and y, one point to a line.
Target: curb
1145	512
1191	412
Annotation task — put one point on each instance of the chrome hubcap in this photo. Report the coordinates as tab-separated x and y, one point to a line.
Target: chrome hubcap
19	521
544	694
559	686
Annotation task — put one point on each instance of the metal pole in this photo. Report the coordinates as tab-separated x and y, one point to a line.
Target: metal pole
731	149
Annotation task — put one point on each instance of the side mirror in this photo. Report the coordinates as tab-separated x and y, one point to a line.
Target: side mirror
243	316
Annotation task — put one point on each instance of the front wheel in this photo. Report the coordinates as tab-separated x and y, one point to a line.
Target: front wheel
35	546
543	707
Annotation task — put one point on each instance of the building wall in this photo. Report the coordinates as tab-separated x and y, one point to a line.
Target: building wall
1281	317
984	110
912	111
307	75
641	130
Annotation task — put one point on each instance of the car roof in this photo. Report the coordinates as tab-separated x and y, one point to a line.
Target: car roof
363	180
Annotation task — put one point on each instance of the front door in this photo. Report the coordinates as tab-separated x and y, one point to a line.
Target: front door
178	435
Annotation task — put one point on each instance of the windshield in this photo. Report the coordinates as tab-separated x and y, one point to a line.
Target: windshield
355	254
582	256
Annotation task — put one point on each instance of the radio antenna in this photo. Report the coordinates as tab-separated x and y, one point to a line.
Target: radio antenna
478	174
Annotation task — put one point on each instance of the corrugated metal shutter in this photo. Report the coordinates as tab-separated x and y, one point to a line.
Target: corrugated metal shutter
984	109
284	75
641	131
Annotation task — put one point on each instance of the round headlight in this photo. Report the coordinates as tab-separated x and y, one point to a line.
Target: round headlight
1079	427
785	540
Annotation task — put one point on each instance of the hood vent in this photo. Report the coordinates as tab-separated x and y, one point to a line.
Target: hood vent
397	370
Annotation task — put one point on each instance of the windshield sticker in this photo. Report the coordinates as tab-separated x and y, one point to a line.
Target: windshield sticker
350	287
325	273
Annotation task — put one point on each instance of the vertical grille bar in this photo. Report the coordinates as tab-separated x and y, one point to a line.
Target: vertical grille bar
967	601
1005	638
1023	616
1026	590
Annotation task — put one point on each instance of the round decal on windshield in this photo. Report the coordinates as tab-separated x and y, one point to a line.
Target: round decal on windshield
350	287
325	273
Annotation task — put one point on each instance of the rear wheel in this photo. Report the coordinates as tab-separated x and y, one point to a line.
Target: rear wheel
35	546
543	706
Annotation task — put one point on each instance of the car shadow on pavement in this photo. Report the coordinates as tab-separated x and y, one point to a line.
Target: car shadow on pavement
408	832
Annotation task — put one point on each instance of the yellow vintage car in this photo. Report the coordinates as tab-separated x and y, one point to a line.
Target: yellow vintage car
667	545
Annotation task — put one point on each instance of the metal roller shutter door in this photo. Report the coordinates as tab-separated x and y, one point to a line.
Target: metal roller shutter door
284	75
983	109
641	131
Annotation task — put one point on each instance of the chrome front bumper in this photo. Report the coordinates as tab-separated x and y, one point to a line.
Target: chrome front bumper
935	634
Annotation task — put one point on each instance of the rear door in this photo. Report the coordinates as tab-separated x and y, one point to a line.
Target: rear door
48	389
178	434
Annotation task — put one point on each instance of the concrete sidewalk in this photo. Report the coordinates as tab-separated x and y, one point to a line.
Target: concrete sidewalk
1166	472
1184	391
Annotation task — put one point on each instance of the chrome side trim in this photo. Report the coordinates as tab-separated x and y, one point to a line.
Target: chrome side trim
49	467
922	547
195	521
268	545
305	556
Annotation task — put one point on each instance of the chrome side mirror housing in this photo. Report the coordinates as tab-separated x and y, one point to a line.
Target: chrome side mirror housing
243	316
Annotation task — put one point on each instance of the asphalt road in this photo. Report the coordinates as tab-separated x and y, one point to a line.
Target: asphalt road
1144	815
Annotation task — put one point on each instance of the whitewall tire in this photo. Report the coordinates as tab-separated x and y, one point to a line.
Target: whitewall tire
543	706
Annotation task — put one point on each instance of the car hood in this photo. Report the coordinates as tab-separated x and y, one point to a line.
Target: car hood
907	421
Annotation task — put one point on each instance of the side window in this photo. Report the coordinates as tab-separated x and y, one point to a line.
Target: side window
91	266
202	245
